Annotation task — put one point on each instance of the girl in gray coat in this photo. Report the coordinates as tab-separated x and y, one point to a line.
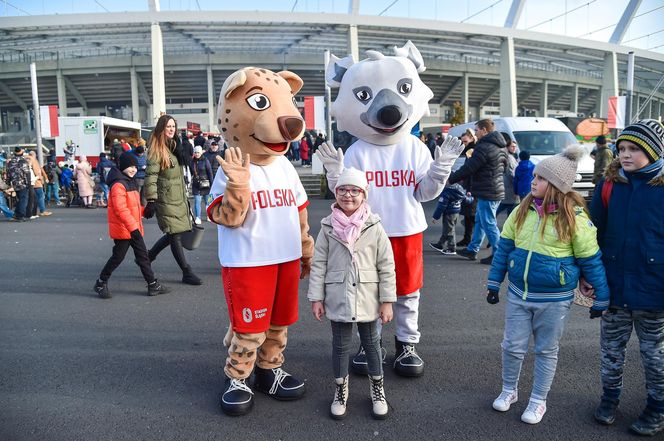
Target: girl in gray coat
352	280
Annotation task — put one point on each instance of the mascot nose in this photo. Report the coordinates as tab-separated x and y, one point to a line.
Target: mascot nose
389	115
290	127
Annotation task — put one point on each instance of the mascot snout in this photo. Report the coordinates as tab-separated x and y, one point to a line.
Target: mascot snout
291	127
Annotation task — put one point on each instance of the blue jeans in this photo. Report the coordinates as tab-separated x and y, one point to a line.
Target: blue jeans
546	322
485	225
104	189
4	207
53	192
39	195
197	205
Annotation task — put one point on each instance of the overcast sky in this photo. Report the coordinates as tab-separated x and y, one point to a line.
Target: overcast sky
594	19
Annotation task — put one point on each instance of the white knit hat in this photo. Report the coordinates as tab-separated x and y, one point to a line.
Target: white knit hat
353	176
560	169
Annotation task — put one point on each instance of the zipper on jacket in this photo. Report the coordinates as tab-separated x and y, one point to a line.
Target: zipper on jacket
530	253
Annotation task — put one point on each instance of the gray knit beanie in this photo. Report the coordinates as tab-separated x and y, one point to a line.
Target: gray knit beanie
560	169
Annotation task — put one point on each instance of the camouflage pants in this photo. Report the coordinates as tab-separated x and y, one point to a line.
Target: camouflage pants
616	330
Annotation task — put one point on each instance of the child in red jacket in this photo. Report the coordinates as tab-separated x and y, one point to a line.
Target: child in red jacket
125	226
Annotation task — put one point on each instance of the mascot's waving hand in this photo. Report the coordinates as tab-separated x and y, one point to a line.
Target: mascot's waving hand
264	242
380	99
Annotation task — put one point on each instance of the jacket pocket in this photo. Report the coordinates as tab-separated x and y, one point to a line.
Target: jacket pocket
369	276
335	276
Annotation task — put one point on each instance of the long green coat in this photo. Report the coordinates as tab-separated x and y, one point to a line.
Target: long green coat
166	187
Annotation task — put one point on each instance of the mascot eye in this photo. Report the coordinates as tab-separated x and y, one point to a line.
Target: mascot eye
258	101
363	94
404	87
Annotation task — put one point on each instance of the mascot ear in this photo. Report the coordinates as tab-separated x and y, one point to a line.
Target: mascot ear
294	81
336	68
410	51
235	80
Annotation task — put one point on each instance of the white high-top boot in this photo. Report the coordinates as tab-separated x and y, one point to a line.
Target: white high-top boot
378	400
338	407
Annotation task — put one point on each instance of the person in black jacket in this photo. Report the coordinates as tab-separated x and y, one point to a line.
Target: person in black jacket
211	156
201	172
486	167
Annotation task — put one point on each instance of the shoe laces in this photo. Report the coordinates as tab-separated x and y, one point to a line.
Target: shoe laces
279	375
506	396
340	396
408	351
377	391
239	385
536	408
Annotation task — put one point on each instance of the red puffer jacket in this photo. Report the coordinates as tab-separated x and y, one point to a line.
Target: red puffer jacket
124	206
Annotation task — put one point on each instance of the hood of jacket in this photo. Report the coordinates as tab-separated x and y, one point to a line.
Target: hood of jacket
115	175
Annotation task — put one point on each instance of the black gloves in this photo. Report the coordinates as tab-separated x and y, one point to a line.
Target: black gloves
136	234
594	313
150	209
492	296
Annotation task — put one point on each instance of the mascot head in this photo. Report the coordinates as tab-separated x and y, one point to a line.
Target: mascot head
257	112
380	98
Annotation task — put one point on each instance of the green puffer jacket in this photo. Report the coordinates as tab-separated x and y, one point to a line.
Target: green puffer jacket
166	187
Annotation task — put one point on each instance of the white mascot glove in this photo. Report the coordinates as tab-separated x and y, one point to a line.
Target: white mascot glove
332	159
444	157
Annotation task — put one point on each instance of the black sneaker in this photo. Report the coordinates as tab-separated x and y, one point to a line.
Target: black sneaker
467	254
606	411
449	252
487	260
649	423
359	365
238	398
436	246
462	243
278	384
101	288
407	362
189	278
155	288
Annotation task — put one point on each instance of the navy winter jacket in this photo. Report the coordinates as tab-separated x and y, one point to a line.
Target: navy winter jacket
449	201
630	232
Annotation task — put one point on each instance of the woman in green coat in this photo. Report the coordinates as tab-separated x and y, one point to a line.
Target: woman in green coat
166	194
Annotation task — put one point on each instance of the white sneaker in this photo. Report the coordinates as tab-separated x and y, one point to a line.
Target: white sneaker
534	412
505	400
197	221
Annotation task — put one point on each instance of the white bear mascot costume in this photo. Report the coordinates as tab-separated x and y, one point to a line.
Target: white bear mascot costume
380	99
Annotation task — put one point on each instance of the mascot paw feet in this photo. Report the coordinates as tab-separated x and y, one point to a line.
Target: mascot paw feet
237	399
359	365
278	384
407	363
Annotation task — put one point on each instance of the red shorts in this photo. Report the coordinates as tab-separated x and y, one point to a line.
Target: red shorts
409	263
258	296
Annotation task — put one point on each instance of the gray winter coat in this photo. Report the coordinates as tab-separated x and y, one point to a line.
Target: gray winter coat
353	290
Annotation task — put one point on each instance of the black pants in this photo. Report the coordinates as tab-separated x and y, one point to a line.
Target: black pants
120	251
175	241
32	202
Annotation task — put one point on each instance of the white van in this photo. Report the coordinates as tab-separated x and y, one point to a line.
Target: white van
541	137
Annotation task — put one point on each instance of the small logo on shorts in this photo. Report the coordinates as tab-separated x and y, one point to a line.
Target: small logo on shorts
246	315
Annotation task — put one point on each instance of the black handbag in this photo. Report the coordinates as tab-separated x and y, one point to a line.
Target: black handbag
201	183
192	239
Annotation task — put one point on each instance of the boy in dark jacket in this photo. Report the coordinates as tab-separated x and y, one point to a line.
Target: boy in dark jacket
523	175
628	208
125	227
449	206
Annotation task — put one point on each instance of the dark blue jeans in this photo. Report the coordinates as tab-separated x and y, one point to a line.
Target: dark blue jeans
22	204
342	338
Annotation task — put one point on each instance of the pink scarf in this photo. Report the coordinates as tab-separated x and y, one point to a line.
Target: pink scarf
348	228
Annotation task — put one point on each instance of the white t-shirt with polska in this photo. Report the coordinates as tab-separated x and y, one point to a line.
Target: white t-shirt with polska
270	233
393	172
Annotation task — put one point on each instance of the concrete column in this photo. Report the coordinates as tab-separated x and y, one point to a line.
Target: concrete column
158	83
574	101
544	99
62	92
211	115
609	84
135	106
353	47
464	97
507	78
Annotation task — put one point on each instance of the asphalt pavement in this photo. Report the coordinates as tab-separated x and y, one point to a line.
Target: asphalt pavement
76	367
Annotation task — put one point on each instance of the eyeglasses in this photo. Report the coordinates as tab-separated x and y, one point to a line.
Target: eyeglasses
341	191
